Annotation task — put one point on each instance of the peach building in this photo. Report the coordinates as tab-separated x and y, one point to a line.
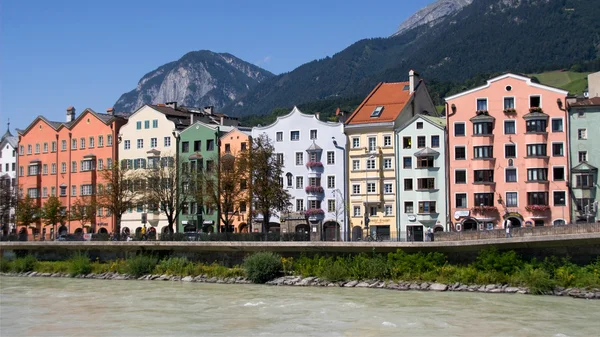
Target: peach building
63	159
508	155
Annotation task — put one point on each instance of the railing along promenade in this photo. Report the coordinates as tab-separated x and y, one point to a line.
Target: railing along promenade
519	232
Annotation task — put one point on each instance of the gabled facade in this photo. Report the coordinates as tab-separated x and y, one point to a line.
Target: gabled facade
371	154
421	177
508	155
584	127
8	176
313	173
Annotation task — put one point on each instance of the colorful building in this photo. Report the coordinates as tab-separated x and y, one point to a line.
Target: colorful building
314	167
421	177
508	151
584	127
371	154
64	159
8	178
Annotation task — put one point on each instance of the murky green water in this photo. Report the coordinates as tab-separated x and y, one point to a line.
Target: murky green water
72	307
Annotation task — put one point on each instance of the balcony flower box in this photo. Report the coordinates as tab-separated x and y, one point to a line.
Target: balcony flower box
536	109
314	212
537	208
483	209
510	111
481	112
314	164
314	189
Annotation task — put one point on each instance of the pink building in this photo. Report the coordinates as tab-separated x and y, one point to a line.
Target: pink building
508	155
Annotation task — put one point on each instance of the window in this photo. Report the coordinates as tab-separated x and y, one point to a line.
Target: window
536	150
482	152
73	190
63	191
167	141
373	211
372	144
558	173
210	165
419	125
53	146
485	199
355	142
155	123
426	206
377	111
21	150
244	184
557	125
483	128
63	145
299	158
314	204
21	171
370	164
355	189
559	198
583	181
371	188
100	164
459	129
279	136
557	149
582	156
73	166
243	207
243	147
198	146
153	142
45	148
100	141
582	134
483	176
387	163
53	168
460	176
409	207
109	141
330	181
140	143
583	203
138	125
87	165
279	158
295	135
331	205
511	175
460	153
407	162
33	192
387	141
210	145
355	165
426	183
29	148
408	184
420	142
356	211
537	198
537	174
509	103
33	170
387	188
406	142
536	125
313	134
45	169
482	104
185	147
388	210
510	151
82	143
127	145
534	101
87	190
425	162
509	127
512	199
53	191
330	158
37	148
63	167
461	200
109	162
435	141
289	179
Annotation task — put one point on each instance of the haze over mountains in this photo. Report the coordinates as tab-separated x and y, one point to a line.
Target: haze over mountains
449	40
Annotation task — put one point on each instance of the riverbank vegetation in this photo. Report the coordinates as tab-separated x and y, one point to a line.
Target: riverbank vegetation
490	267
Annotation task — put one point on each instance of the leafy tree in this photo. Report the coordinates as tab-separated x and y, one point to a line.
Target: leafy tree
28	211
53	212
83	210
117	195
8	201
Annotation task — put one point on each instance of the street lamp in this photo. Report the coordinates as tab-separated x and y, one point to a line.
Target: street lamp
345	197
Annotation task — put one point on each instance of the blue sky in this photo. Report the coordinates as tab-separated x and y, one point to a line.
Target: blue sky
54	54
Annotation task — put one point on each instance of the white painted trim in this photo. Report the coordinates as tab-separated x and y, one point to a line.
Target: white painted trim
454	129
352	143
506	198
565	221
466	154
504	126
516	152
535	95
413	184
509	168
566	200
466	176
454	200
299	135
404	206
391	140
514	101
564	172
487	101
411	163
563	124
552	149
291	113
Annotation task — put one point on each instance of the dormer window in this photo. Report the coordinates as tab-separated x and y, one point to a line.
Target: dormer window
377	111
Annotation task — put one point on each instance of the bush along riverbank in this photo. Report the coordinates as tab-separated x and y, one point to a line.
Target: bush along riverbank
492	272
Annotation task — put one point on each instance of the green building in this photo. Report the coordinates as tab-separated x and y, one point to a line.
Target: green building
584	126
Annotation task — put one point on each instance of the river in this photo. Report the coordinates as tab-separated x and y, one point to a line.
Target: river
74	307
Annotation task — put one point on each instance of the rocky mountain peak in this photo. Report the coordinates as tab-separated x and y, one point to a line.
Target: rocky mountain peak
432	14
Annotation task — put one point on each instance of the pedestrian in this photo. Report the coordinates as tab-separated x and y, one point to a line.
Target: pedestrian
508	226
144	233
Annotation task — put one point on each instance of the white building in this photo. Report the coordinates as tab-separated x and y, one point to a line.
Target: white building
8	175
421	177
313	173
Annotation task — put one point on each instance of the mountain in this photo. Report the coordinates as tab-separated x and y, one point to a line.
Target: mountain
486	36
199	78
432	14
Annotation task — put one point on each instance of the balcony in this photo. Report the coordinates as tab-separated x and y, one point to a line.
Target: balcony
314	189
537	208
314	214
483	140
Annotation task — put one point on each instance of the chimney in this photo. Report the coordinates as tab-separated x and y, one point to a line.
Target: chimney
192	118
110	111
70	114
208	109
413	78
318	115
172	105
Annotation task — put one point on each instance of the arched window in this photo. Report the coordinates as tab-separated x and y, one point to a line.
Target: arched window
289	179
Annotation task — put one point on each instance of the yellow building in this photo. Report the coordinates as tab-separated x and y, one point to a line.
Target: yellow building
371	154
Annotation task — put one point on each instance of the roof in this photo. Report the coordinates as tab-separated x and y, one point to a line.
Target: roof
482	117
439	122
392	96
314	147
538	115
583	167
297	111
105	118
426	152
594	101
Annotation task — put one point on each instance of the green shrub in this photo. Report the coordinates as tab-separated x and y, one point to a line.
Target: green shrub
52	267
262	266
536	279
4	265
490	260
24	264
79	264
141	265
335	272
174	266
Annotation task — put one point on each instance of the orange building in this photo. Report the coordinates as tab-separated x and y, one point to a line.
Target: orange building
63	159
235	142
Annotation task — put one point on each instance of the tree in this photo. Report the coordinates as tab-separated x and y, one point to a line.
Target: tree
53	212
266	172
117	196
28	212
83	210
8	202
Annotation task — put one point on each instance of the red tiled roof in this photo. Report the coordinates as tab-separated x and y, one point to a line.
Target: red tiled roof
588	102
392	96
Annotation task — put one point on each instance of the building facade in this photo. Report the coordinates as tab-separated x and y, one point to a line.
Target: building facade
584	127
313	175
64	160
8	180
421	177
371	154
508	151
